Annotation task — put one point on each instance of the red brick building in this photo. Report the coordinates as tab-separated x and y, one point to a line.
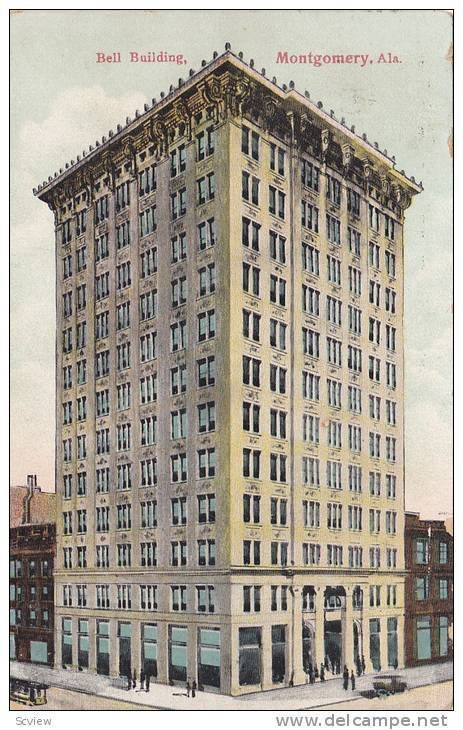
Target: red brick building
32	555
428	591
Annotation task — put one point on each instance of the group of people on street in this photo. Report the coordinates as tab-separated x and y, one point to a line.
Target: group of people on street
191	688
144	681
333	666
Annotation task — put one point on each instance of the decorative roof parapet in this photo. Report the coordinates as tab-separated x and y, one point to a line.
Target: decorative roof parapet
242	88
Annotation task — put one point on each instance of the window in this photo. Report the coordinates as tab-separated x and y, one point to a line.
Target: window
333	190
334	434
206	188
355	478
124	516
333	348
251	417
278	467
334	270
310	175
311	428
390	264
178	553
206	371
277	290
67	340
102	480
355	281
102	596
205	599
251	279
179	470
310	259
124	476
148	430
148	472
82	490
147	180
251	371
102	322
179	510
277	379
311	471
148	347
206	325
102	286
148	597
102	209
389	227
205	143
251	325
278	334
373	254
278	423
443	553
251	599
250	142
334	555
206	508
353	202
311	513
123	437
122	196
206	552
374	368
311	554
422	588
251	552
277	159
148	389
206	280
334	474
66	232
102	557
148	554
81	256
390	300
102	519
333	229
250	233
206	234
391	379
148	513
206	463
178	336
309	215
277	247
251	463
148	305
373	217
124	555
310	300
179	248
178	161
276	202
250	188
123	356
178	204
333	310
251	508
147	221
101	248
334	516
206	417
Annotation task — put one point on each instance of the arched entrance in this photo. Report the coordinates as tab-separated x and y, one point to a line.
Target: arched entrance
335	600
308	645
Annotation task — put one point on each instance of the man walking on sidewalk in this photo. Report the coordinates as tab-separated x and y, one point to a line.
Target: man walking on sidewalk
345	678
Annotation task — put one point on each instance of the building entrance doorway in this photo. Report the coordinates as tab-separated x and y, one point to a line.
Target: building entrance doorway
333	644
357	652
307	647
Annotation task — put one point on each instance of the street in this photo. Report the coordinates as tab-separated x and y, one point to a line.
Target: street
429	698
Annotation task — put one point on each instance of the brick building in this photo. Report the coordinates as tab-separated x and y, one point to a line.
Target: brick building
32	556
428	591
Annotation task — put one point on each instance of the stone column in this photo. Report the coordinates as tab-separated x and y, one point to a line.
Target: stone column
92	645
401	641
266	654
57	632
192	650
365	648
163	653
135	647
113	649
348	631
296	639
75	624
383	643
319	626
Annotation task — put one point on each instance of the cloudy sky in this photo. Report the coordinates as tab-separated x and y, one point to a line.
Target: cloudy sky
62	101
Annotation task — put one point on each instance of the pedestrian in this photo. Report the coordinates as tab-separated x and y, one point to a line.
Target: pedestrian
345	678
363	664
322	673
147	682
129	682
134	679
311	676
193	688
352	680
358	662
142	680
316	672
188	688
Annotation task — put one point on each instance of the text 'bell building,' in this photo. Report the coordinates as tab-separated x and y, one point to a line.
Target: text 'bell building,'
229	391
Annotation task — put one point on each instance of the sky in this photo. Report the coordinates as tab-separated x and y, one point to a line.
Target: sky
62	101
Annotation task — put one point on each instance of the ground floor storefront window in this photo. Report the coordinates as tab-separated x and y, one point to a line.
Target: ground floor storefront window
12	646
443	636
278	653
102	647
66	642
423	638
375	628
150	649
39	652
178	644
209	657
250	647
392	656
83	644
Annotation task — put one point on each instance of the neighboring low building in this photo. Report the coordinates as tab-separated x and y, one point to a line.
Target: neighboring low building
32	554
428	591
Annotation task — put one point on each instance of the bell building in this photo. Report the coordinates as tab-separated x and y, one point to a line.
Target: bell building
229	390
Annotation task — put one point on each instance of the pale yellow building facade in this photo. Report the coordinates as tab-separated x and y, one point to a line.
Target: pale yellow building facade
230	391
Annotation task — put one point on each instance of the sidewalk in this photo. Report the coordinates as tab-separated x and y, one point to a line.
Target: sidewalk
164	697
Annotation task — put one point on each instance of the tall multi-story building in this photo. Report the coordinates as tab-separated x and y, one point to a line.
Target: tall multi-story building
229	378
428	591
